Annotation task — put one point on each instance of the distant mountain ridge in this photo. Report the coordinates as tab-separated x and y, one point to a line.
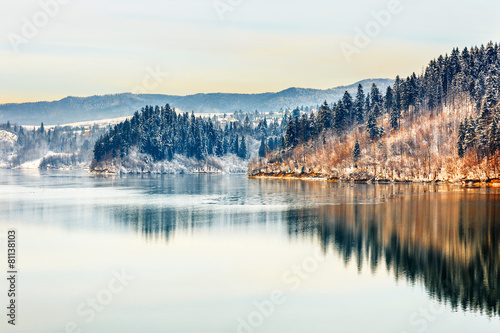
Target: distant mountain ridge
78	109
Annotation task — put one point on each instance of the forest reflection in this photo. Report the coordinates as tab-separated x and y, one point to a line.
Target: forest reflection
443	237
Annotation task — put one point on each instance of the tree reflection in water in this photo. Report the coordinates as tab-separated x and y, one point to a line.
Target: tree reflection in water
444	237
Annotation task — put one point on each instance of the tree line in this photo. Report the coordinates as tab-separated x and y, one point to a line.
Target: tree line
470	75
162	133
33	144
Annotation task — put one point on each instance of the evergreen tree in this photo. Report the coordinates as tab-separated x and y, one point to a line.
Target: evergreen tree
312	126
397	94
324	118
339	117
376	110
304	129
376	96
247	124
262	148
219	147
359	105
493	140
242	152
368	106
389	100
485	119
348	105
291	135
391	105
236	147
356	153
461	140
470	133
374	131
395	116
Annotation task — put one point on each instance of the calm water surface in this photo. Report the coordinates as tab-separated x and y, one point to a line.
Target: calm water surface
219	254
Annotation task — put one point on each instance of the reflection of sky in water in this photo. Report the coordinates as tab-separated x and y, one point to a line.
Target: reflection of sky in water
210	246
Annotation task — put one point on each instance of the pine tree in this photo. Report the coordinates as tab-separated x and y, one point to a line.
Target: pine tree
461	140
490	54
247	124
339	117
242	152
356	153
389	100
376	97
359	105
397	94
374	131
349	108
470	133
395	116
376	110
324	118
391	106
304	129
236	147
219	146
262	148
368	106
312	126
291	135
493	137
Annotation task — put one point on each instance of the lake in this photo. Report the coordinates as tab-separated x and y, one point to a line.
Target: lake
210	253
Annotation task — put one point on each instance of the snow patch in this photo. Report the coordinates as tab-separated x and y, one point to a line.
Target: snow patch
35	164
141	163
7	137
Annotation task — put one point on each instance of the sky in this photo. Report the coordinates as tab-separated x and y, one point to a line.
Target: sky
50	49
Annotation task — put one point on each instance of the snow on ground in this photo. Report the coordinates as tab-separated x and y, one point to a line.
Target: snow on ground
102	122
7	137
140	163
35	164
110	121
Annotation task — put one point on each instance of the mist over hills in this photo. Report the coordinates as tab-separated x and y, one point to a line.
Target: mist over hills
78	109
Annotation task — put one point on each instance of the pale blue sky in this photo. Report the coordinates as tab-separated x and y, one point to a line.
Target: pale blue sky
97	47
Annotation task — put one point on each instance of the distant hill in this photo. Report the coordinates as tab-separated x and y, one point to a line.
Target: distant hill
77	109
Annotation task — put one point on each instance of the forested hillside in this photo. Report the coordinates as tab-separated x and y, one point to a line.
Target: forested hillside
159	140
440	125
58	147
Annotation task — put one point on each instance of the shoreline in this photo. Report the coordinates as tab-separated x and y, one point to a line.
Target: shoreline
474	183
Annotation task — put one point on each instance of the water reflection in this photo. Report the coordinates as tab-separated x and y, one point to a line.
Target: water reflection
443	237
